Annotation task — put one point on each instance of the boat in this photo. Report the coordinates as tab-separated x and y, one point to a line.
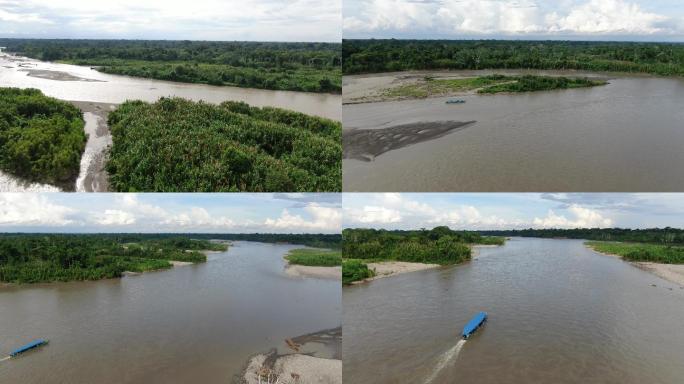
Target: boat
455	101
27	347
474	323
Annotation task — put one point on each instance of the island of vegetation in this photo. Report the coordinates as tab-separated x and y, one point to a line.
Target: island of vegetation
35	258
307	67
490	84
176	145
41	138
373	56
438	246
315	257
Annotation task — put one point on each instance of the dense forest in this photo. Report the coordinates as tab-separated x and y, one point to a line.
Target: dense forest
308	67
333	241
369	56
655	235
439	245
176	145
41	138
32	258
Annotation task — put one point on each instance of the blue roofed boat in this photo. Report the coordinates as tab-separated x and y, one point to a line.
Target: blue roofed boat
455	101
474	323
27	347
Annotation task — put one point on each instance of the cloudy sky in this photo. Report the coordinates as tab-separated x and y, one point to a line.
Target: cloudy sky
650	20
167	212
512	211
260	20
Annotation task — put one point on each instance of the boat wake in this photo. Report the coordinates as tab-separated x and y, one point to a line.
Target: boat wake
5	358
445	360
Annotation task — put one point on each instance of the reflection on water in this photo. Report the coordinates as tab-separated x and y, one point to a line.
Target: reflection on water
195	323
558	313
625	136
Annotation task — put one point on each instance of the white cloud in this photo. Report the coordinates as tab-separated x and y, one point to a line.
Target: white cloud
583	218
508	17
469	217
32	209
198	217
373	215
322	219
115	217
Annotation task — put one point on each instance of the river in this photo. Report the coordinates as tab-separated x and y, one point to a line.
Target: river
558	313
86	87
197	323
625	136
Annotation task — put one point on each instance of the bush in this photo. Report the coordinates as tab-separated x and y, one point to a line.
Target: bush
355	270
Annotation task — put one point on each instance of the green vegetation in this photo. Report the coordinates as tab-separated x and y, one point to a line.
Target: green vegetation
41	138
488	85
440	245
176	145
653	235
308	67
315	257
529	83
355	270
369	56
330	241
656	253
33	258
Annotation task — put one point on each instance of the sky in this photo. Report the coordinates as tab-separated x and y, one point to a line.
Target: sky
224	20
492	211
622	20
170	213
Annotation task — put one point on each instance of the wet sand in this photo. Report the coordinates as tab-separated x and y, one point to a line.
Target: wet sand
56	75
303	271
93	176
299	360
367	144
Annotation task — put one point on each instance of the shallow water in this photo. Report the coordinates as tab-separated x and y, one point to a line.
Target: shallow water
625	136
558	313
197	323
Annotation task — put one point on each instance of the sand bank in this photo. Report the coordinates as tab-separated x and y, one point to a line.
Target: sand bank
673	273
391	268
294	270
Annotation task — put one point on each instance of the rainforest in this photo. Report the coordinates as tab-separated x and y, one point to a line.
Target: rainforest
307	67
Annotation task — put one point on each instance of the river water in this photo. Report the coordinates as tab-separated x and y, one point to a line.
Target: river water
558	313
197	323
625	136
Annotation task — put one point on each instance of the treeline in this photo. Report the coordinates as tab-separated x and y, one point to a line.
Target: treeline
308	67
439	245
314	240
655	253
369	56
530	83
176	145
41	138
32	258
654	235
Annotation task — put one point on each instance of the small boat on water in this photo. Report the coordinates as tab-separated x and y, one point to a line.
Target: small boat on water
455	101
28	347
474	323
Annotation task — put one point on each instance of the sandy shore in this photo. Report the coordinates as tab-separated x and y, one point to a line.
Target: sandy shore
92	175
673	273
301	360
392	268
180	263
294	270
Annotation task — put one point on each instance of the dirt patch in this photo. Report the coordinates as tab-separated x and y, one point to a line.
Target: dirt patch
367	144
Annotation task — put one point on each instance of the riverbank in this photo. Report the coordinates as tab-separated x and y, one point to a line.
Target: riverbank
93	176
673	273
301	271
384	269
311	358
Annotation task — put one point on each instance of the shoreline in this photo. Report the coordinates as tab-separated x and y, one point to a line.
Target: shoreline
673	273
385	269
305	271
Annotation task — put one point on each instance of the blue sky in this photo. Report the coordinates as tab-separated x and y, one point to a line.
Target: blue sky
167	212
253	20
639	20
511	211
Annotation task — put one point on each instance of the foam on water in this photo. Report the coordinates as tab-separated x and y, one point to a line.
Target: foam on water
447	358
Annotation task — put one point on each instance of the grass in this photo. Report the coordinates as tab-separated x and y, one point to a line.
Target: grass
315	257
491	84
355	270
492	240
656	253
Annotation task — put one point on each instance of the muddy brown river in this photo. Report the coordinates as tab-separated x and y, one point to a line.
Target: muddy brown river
197	323
558	313
625	136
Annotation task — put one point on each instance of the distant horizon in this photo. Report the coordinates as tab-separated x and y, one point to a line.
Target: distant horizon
174	40
515	39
